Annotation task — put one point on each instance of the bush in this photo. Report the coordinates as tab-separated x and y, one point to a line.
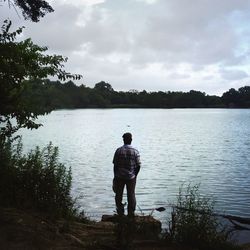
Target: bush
194	224
35	180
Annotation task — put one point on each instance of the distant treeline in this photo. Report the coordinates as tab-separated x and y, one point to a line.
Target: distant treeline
56	95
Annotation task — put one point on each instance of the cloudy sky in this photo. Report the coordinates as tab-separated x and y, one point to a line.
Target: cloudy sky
149	44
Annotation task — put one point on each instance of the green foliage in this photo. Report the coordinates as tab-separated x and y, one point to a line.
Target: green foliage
103	87
237	99
19	62
193	223
32	9
56	95
35	180
50	95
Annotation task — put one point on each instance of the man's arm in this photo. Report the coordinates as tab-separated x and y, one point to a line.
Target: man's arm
138	163
115	170
115	163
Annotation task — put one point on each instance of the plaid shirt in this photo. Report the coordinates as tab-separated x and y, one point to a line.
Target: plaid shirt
126	162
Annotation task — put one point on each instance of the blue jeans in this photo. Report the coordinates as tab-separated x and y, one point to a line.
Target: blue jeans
119	188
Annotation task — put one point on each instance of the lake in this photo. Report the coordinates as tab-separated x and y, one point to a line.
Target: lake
206	146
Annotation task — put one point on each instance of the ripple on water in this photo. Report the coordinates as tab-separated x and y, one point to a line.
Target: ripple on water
204	146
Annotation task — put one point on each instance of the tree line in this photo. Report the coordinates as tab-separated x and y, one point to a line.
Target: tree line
50	95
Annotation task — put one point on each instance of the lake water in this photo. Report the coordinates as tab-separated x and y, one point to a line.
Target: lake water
206	146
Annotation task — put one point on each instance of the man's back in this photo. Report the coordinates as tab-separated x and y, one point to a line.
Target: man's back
126	161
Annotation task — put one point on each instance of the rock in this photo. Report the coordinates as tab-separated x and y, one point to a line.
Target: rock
145	226
110	218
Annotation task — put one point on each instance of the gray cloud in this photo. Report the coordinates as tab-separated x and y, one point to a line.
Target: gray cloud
233	74
179	76
198	34
58	30
121	41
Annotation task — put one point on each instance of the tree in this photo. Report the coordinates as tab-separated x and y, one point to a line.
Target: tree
244	93
32	9
20	61
231	98
103	86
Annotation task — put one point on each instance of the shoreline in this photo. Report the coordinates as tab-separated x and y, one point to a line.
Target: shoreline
143	107
22	229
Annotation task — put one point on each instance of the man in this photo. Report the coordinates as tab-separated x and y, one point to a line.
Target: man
126	168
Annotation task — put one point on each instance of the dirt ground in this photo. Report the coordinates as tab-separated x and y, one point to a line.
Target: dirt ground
28	230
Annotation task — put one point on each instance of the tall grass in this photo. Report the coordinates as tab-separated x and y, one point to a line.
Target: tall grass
35	180
194	224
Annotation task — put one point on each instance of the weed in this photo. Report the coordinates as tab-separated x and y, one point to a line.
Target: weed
35	180
193	223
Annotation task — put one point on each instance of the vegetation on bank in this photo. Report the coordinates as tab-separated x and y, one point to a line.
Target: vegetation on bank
193	222
58	95
35	181
193	225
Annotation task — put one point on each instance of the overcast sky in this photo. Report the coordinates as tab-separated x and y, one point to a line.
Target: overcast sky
175	45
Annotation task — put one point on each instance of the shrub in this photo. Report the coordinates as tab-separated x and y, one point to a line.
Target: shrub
194	224
35	180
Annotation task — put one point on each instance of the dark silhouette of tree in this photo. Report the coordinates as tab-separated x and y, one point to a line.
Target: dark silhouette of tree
22	66
103	86
231	98
244	96
55	94
20	61
237	99
32	9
